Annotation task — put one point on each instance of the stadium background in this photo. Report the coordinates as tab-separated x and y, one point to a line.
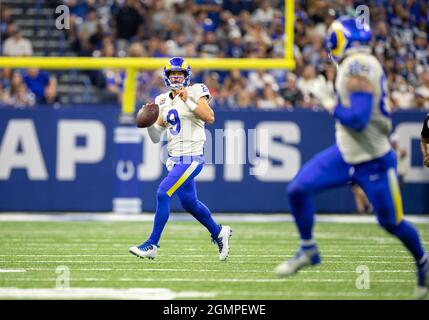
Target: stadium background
40	109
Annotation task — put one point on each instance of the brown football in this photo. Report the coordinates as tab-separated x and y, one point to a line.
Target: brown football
147	115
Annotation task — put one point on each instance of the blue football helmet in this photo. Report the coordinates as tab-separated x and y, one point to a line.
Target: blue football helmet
344	33
177	64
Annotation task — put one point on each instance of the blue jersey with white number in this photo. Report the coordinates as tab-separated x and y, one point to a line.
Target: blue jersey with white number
185	132
372	142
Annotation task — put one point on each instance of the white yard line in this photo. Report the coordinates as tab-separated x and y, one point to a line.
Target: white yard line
148	217
119	256
101	293
158	262
217	270
12	270
229	280
35	255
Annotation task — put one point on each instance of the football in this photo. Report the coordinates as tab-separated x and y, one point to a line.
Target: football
147	115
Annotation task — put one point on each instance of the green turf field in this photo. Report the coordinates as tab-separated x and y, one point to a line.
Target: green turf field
96	254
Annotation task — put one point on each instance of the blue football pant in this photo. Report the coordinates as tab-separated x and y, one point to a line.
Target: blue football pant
180	181
377	178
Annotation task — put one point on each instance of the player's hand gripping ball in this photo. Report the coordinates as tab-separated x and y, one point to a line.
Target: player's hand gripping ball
147	115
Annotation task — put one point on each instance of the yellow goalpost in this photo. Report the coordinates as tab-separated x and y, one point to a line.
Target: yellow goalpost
131	65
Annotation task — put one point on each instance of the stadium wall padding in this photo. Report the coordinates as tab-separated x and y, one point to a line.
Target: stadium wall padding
81	159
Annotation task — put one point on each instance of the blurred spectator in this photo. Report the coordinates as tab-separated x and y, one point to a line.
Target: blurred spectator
235	49
264	14
5	21
402	95
115	79
243	99
311	86
5	77
269	99
128	19
422	92
17	95
42	85
89	27
16	44
293	97
209	48
258	79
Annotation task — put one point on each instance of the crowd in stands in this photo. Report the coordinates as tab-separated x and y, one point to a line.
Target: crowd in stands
229	28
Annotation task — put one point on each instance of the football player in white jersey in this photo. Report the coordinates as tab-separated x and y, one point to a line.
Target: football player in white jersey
182	113
362	153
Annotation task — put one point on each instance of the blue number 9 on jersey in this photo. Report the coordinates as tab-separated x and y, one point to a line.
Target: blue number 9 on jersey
174	120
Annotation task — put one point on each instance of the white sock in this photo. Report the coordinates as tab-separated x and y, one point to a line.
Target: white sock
307	243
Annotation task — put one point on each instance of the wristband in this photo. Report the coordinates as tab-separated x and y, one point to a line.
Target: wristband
191	105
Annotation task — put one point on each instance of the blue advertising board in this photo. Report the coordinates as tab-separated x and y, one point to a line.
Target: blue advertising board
82	159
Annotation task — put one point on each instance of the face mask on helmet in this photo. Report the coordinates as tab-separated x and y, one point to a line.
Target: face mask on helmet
176	79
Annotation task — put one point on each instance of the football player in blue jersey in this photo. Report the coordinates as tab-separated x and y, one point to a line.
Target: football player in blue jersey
362	153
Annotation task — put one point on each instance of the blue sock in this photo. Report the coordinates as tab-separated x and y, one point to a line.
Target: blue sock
189	200
409	236
303	210
161	216
204	216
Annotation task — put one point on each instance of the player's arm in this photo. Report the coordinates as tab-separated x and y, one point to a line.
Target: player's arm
201	109
424	141
361	100
155	131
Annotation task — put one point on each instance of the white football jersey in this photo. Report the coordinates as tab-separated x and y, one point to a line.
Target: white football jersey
372	142
185	132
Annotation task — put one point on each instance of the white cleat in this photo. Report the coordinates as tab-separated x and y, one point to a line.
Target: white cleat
302	259
223	242
145	250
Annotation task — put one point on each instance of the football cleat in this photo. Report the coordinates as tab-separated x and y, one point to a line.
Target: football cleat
222	241
145	250
302	258
422	288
